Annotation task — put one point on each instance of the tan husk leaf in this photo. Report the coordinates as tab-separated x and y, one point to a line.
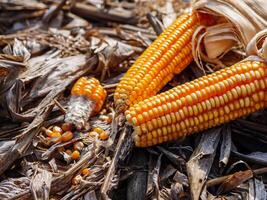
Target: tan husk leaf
258	45
240	22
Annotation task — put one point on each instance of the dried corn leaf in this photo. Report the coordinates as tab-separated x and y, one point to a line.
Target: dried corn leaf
258	45
21	5
244	20
40	185
13	188
201	160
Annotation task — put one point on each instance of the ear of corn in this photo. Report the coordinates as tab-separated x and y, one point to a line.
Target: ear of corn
206	102
87	98
167	56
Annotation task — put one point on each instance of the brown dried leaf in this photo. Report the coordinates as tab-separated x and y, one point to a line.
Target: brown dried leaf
13	188
40	185
111	53
234	180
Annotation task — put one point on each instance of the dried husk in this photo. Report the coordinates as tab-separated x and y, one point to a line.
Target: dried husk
258	45
237	22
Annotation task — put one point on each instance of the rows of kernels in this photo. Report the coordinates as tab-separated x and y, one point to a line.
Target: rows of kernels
91	88
169	54
202	88
203	103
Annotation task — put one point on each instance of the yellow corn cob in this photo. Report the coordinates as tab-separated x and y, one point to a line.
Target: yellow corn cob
91	89
167	56
200	104
87	98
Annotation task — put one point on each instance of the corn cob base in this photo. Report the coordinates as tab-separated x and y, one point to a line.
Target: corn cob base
87	98
206	102
79	110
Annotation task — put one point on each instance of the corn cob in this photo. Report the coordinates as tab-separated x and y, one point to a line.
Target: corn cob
206	102
167	56
87	98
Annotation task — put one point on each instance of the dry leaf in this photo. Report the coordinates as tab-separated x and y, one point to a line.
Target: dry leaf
234	180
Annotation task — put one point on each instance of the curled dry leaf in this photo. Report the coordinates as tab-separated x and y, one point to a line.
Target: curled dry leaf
258	45
237	23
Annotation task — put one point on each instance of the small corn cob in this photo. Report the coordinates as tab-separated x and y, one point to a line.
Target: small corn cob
206	102
87	98
167	56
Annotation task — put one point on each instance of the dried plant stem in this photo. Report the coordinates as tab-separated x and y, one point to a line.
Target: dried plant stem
217	181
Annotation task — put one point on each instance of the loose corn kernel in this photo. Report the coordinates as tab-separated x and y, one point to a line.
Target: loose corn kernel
67	136
66	127
93	134
86	172
167	56
234	96
103	135
48	132
75	155
57	129
55	137
98	130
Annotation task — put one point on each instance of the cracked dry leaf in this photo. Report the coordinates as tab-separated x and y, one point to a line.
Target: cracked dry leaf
199	165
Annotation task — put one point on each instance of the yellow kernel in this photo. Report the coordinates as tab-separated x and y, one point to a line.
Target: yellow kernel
255	97
67	136
75	155
103	136
98	130
57	129
66	126
86	172
48	132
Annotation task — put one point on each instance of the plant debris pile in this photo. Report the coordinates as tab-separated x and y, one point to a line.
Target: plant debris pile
45	47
